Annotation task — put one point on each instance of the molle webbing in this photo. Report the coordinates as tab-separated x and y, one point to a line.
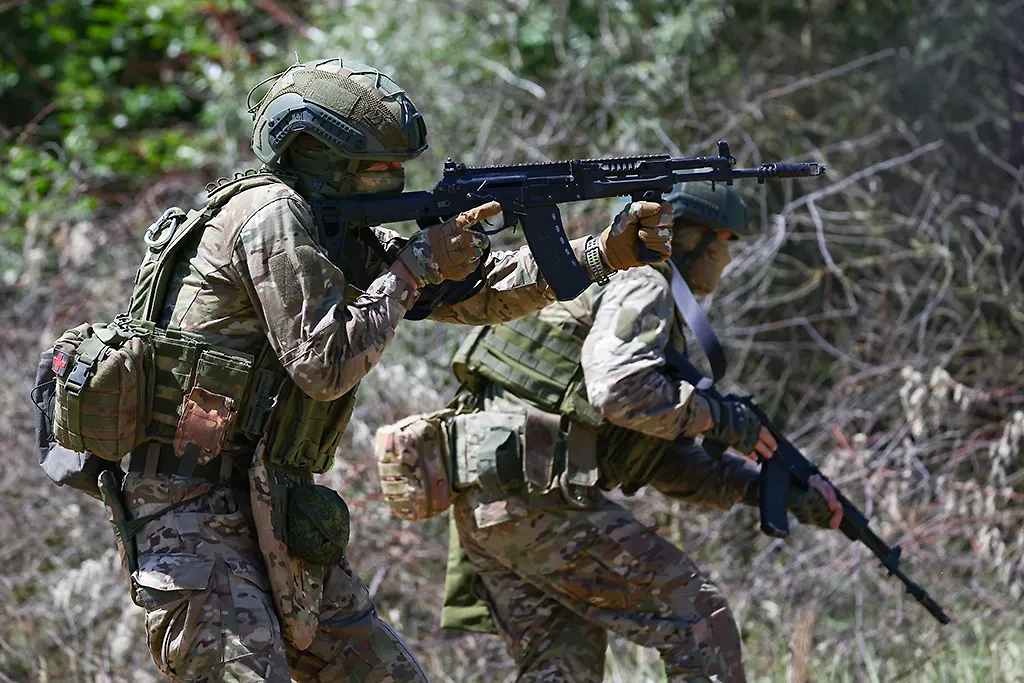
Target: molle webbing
533	359
540	362
183	361
306	432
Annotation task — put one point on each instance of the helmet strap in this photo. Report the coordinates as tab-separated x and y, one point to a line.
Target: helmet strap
346	180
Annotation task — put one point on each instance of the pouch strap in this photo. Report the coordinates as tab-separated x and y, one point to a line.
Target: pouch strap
543	457
130	528
581	460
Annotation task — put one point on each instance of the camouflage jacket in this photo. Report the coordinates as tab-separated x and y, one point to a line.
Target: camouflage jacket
257	273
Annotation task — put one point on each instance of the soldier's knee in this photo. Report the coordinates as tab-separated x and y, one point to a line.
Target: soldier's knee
712	654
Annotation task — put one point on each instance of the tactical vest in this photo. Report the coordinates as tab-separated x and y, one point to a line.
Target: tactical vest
539	362
198	397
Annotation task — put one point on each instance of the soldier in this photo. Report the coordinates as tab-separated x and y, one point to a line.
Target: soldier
557	564
226	598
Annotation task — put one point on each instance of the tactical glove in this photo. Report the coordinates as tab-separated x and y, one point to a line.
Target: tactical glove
732	423
808	505
449	251
639	223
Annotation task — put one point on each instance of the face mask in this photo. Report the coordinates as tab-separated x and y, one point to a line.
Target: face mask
703	274
706	271
323	172
374	182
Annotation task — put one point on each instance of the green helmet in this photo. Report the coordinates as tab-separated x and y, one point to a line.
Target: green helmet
352	108
318	524
720	208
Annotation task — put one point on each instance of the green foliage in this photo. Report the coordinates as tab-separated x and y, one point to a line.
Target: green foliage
111	92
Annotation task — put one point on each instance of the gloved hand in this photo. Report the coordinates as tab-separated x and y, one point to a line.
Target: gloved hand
647	223
736	425
449	251
816	505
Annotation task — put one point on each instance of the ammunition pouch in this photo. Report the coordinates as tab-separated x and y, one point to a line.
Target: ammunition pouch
306	432
530	452
488	451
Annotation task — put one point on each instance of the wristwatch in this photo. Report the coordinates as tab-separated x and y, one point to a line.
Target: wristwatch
592	261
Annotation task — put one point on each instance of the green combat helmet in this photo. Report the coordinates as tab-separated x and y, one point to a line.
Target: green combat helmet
352	108
318	524
720	208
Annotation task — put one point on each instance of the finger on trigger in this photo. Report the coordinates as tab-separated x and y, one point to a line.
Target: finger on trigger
479	213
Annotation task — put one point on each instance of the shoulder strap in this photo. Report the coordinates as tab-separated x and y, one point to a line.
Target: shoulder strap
168	233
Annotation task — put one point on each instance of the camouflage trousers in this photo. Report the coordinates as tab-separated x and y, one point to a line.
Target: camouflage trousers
209	612
558	580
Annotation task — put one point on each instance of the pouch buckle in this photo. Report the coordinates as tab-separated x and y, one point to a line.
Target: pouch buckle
76	381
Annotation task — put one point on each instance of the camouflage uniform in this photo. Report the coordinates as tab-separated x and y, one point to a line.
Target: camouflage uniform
558	577
257	274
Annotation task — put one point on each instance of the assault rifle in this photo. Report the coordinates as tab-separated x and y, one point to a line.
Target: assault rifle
529	195
788	467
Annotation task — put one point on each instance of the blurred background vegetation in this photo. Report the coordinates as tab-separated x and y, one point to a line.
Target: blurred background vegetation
878	314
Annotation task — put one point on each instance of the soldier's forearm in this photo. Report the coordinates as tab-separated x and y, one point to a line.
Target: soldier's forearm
691	475
349	340
513	287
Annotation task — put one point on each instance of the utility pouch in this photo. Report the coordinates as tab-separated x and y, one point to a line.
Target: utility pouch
102	398
206	418
412	460
487	451
63	466
317	524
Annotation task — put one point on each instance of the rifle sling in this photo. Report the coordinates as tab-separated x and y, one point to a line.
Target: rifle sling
692	313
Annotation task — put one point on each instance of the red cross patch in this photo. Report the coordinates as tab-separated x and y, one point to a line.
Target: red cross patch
60	363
